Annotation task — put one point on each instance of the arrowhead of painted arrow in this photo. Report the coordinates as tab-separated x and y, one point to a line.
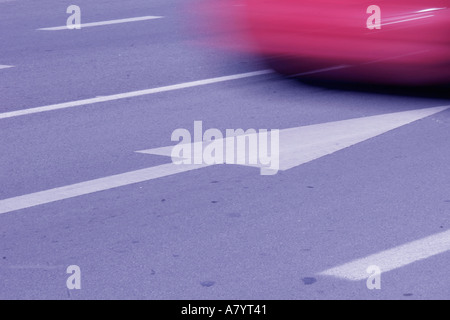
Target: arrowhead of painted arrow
304	144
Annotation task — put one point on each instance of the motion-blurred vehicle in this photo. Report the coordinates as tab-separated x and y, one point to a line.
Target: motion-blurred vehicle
376	41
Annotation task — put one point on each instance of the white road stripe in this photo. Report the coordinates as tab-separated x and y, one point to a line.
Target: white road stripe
92	186
299	145
103	23
5	67
304	144
394	258
132	94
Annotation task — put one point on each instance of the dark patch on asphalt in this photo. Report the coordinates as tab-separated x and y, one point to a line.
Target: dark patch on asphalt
408	295
207	284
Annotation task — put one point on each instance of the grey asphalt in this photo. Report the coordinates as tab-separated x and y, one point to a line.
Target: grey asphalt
222	232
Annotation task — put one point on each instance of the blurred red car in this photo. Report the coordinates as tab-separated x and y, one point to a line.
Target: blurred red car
397	42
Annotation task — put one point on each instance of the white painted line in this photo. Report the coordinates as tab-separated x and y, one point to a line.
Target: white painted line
132	94
88	187
298	146
103	23
5	67
394	258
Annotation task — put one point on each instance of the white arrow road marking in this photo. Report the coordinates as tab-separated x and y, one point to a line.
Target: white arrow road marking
394	258
131	94
297	146
304	144
103	23
5	67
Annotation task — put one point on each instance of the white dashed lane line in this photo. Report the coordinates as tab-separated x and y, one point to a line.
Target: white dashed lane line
5	67
132	94
393	258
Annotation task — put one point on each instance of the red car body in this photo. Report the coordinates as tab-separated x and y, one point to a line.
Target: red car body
340	39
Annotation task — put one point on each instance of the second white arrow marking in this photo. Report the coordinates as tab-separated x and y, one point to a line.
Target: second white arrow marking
297	146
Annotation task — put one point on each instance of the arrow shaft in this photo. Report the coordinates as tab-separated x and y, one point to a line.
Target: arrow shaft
92	186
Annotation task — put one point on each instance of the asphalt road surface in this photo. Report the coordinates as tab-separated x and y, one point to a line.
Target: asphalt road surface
77	105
